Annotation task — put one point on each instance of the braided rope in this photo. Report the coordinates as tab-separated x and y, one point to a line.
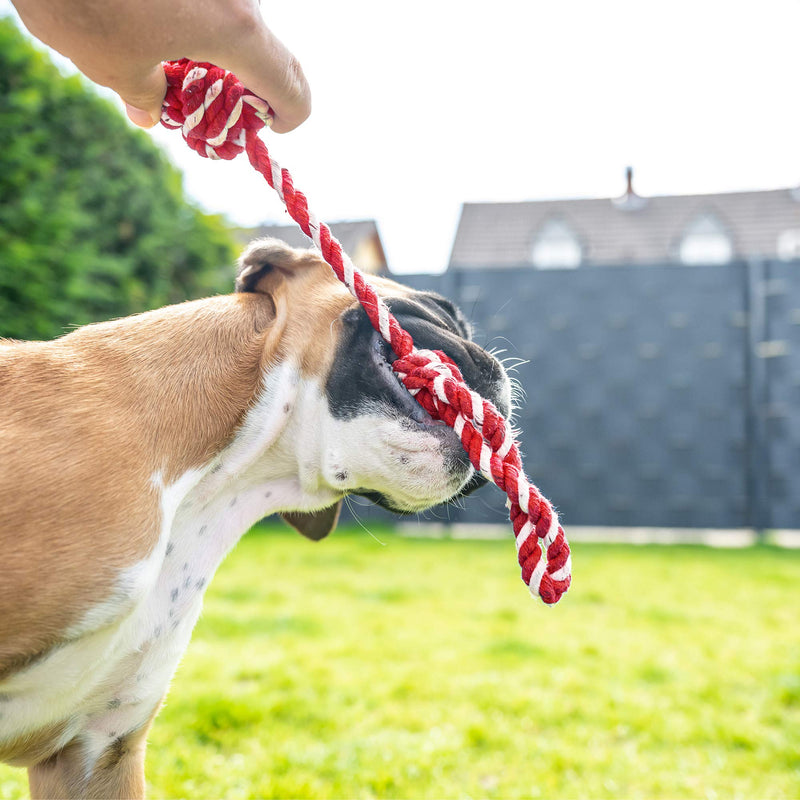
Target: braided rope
219	118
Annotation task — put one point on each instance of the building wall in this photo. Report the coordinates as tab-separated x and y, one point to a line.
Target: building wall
665	396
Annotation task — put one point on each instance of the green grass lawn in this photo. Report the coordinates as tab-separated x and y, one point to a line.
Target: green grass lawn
424	669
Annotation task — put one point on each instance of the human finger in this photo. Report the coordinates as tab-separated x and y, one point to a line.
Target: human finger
267	68
142	88
143	93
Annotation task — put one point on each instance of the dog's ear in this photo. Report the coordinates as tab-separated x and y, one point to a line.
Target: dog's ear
314	525
266	262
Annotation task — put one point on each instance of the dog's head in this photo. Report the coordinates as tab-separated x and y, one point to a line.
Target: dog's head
369	435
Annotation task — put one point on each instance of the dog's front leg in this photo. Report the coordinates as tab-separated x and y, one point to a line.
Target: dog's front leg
118	774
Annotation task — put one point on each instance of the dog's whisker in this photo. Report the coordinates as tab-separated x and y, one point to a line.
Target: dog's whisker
512	363
361	524
500	337
502	307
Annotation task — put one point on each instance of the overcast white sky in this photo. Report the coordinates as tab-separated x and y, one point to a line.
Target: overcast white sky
423	105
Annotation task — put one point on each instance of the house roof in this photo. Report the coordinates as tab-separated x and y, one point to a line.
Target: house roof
630	229
350	234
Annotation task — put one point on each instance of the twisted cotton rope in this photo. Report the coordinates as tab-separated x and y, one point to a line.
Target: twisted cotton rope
219	118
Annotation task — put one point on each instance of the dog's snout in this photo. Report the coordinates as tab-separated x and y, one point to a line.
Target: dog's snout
434	466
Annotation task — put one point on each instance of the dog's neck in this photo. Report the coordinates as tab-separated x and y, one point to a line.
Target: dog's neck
274	453
188	405
229	435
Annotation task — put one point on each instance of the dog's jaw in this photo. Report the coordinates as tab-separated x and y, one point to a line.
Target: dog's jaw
412	464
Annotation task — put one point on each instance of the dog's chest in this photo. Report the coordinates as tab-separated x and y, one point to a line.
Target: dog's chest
111	672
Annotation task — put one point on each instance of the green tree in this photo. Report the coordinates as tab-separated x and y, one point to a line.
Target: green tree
93	220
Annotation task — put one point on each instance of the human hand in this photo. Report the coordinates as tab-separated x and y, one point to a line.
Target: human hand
121	44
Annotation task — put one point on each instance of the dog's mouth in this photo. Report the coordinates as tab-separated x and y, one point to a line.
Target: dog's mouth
389	504
437	468
381	359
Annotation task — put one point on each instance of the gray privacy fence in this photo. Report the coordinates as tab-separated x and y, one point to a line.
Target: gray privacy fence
653	396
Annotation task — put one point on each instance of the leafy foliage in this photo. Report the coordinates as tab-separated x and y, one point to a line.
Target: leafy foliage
93	220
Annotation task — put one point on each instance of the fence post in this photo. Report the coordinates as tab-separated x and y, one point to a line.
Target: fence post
757	456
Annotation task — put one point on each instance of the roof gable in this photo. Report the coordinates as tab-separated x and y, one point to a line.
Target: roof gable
615	232
359	239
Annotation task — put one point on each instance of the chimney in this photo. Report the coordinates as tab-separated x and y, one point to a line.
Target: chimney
630	201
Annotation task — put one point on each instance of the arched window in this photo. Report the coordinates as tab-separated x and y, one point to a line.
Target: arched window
705	241
789	245
556	246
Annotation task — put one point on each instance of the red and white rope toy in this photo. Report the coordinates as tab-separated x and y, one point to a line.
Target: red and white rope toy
219	118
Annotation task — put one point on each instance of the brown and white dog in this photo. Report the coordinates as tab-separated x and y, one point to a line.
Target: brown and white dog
135	453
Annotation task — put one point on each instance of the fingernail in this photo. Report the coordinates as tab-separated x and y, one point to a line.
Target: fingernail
139	117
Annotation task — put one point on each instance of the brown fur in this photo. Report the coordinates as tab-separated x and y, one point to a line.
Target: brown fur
33	747
119	773
106	400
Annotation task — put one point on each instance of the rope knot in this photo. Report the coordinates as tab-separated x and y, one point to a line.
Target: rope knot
212	108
